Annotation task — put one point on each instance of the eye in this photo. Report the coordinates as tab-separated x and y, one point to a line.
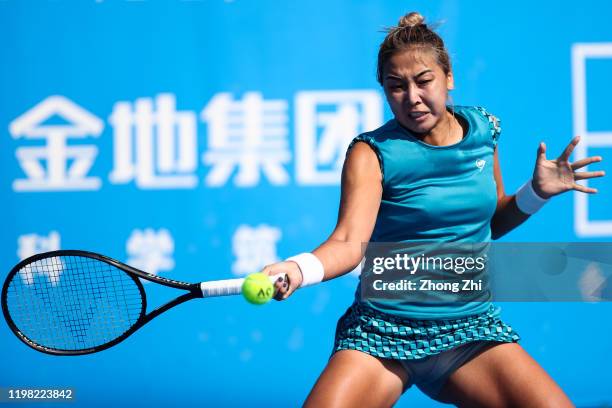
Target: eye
425	81
395	86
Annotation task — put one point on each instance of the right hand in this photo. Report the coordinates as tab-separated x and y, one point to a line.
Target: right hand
294	278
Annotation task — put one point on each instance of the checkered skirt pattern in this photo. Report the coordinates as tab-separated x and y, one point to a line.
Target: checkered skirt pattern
382	335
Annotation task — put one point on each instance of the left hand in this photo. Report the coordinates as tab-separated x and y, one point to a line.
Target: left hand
552	177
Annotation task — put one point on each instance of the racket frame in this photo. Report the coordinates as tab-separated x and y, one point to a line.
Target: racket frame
193	292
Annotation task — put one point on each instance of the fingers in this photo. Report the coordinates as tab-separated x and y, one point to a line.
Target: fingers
583	175
282	286
584	189
281	289
578	164
272	270
569	149
541	152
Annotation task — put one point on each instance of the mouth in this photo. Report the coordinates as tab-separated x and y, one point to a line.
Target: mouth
418	116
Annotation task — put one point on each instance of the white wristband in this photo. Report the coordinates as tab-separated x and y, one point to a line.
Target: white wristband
527	200
310	266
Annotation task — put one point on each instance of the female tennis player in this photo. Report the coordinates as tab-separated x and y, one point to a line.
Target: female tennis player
432	173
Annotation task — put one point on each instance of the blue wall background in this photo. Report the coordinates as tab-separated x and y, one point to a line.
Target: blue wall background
515	59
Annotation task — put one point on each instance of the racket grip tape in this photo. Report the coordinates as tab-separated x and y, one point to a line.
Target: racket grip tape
228	287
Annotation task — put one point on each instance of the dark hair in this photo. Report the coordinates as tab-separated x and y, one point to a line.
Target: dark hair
411	32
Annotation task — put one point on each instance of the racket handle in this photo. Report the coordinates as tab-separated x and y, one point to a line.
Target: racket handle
225	287
228	287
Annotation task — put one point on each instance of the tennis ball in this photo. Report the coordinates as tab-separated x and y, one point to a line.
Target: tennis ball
257	288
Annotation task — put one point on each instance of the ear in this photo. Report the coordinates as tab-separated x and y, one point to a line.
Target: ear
450	81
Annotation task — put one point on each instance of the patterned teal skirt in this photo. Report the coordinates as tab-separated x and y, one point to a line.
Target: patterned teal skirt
382	335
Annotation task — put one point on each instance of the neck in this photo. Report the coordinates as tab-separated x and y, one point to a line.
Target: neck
445	133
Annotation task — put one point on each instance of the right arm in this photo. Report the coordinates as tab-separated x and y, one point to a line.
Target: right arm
361	193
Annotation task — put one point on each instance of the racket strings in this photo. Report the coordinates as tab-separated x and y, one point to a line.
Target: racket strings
73	302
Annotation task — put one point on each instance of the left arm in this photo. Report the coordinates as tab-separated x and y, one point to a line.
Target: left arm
550	178
507	215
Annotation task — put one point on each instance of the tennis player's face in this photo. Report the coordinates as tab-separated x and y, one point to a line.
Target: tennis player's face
416	88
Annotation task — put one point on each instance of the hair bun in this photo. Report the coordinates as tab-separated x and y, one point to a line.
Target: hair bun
411	20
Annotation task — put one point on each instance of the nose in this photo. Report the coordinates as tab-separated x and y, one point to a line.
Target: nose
412	97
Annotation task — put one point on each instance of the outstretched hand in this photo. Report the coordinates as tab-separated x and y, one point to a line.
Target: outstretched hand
552	177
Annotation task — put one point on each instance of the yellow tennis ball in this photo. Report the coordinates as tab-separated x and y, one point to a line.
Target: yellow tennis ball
257	288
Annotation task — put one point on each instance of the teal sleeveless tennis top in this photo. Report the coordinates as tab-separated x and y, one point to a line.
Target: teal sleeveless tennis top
435	193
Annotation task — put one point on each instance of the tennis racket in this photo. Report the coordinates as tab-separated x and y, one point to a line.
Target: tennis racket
72	302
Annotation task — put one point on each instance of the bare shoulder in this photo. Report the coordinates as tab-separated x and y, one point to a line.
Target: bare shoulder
362	162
